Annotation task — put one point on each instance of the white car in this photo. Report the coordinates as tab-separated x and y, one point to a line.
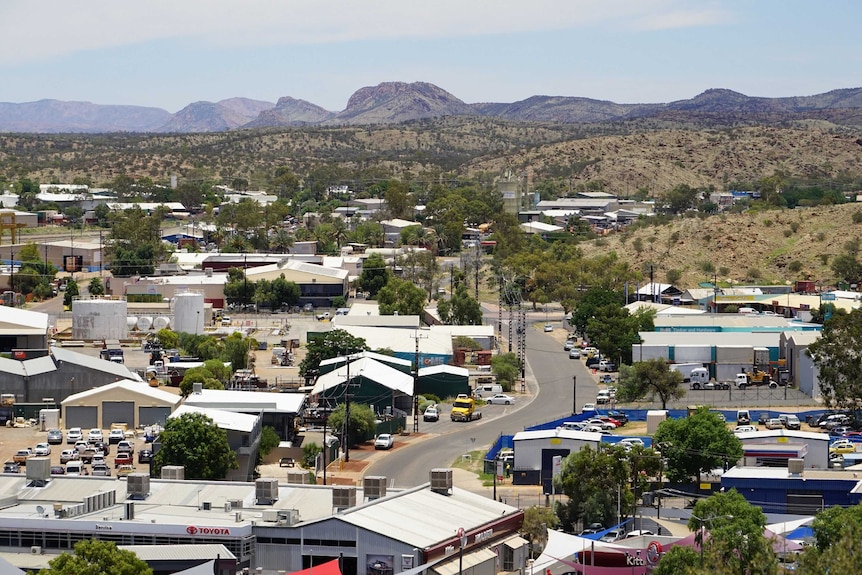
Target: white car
384	441
744	429
602	423
574	353
116	436
501	398
68	455
588	407
95	435
42	450
75	435
570	343
630	442
549	327
603	396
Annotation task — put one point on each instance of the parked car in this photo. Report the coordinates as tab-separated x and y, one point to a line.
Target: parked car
548	327
613	535
58	470
101	471
42	450
98	459
568	345
95	435
82	446
102	447
744	429
606	365
574	353
431	413
384	441
124	470
55	437
773	423
125	446
500	398
630	442
74	435
603	396
638	533
122	458
618	415
11	467
601	423
116	436
593	361
75	468
22	455
839	431
593	528
68	455
588	407
842	446
145	456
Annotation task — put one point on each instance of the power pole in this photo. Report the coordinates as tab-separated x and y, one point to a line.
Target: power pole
478	253
417	336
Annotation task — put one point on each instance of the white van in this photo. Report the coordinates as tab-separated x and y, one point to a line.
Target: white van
75	467
487	390
743	417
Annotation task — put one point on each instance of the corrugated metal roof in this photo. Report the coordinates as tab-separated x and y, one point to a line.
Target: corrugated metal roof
94	363
134	387
222	418
370	354
443	368
436	343
12	367
559	432
231	400
37	365
753	339
421	517
17	317
202	551
302	267
369	369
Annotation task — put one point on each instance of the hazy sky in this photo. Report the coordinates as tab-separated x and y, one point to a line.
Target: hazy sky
169	53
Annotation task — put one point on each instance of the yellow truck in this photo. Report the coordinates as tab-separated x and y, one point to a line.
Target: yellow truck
464	409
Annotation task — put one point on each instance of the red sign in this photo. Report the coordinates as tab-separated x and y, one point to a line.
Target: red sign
192	530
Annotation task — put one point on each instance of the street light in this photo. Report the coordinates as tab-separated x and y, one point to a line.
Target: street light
702	521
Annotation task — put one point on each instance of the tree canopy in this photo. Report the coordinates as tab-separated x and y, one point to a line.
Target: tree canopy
374	275
95	557
462	309
401	297
696	444
328	345
650	378
839	363
613	330
194	441
362	422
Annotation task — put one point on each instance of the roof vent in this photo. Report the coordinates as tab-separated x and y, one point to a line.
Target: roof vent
197	388
138	485
795	466
129	510
374	487
441	480
177	472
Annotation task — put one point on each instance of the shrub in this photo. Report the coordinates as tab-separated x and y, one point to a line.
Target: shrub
794	266
857	217
821	236
309	454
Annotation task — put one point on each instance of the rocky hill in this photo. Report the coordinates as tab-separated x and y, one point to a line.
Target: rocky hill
399	102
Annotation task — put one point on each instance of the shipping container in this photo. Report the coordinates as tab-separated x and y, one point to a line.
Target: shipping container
728	371
761	357
739	354
692	353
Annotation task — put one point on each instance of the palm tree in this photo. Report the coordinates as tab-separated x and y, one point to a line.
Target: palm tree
339	231
281	241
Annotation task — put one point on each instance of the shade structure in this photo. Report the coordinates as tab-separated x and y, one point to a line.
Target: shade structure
328	568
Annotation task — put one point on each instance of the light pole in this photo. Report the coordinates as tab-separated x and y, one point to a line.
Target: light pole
702	522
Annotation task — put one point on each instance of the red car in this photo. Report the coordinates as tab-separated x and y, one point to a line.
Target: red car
616	422
122	458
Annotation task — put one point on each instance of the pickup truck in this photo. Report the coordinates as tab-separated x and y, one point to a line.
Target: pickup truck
464	409
22	455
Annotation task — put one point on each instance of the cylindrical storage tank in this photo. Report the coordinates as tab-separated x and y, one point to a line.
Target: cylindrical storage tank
131	322
161	322
692	353
99	319
145	323
189	312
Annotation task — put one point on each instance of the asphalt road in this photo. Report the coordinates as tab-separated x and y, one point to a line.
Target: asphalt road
550	377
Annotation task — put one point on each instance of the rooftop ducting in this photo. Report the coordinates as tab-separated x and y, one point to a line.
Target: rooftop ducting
266	491
374	487
138	485
174	472
441	480
298	477
795	466
343	497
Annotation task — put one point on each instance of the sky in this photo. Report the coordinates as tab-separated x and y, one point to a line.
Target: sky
170	53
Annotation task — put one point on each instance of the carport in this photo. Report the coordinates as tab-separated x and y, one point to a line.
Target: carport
131	402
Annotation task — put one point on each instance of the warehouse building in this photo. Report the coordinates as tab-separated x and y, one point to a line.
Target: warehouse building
318	285
22	329
535	452
443	381
775	447
130	402
278	410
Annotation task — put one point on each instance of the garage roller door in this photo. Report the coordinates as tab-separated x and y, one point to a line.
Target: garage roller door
151	415
118	412
83	416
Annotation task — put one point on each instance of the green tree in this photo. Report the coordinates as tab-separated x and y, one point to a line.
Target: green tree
194	441
842	555
613	330
198	375
462	309
95	557
361	424
836	355
846	268
236	350
735	529
831	524
680	560
402	297
650	378
237	289
71	292
695	444
537	521
331	344
506	369
96	287
590	302
374	275
168	338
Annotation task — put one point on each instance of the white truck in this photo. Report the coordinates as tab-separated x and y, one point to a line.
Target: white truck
698	378
686	368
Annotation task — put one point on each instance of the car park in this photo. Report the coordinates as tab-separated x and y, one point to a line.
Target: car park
68	455
773	423
431	413
145	456
790	421
55	437
42	450
835	421
74	435
618	415
95	435
384	441
116	436
842	446
122	458
501	399
574	353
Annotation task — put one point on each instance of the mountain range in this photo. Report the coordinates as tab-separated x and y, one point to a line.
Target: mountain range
392	103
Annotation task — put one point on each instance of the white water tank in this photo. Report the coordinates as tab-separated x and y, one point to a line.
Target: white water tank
189	312
145	323
99	319
131	322
161	322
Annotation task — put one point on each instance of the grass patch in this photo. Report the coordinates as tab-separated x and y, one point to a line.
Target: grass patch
475	464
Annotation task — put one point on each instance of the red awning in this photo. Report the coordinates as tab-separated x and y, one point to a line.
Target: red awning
328	568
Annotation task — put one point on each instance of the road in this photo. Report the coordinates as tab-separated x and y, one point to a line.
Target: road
549	375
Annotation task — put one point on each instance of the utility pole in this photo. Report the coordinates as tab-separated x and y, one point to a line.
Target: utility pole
417	336
478	253
347	411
